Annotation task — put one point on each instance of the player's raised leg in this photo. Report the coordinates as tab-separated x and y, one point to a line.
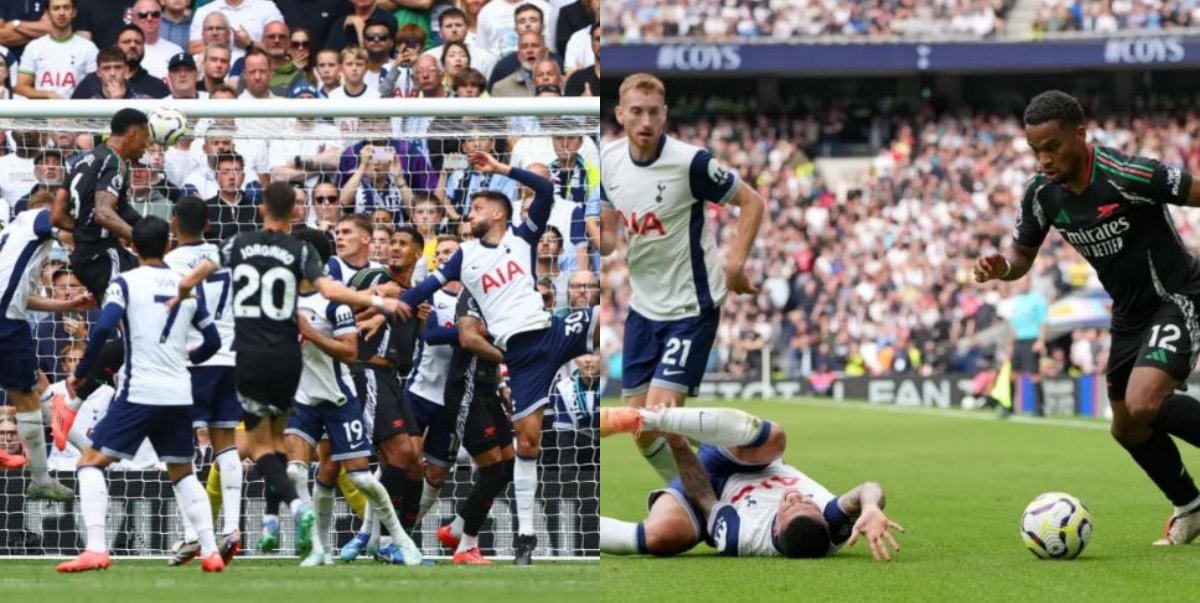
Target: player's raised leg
1150	412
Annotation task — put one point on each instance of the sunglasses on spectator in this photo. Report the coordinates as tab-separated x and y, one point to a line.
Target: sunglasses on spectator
298	44
150	14
376	37
324	199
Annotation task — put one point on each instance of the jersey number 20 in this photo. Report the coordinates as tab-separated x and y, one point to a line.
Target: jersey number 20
248	281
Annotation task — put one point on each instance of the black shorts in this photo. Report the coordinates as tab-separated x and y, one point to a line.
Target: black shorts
267	382
96	271
1167	342
385	409
1024	359
486	424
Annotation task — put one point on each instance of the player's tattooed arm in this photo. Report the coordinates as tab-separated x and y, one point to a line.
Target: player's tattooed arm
107	216
472	336
695	479
60	211
862	496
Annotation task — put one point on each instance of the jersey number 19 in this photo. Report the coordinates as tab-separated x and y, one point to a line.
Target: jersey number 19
248	281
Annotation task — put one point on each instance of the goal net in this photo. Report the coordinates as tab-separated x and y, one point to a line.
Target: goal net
417	173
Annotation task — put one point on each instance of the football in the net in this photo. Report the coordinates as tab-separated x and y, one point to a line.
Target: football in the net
167	125
1056	525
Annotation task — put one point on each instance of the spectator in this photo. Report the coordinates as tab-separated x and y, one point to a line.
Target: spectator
549	254
181	72
378	183
101	22
139	82
455	59
214	31
47	174
501	22
572	18
300	53
53	65
22	26
216	67
453	29
256	79
50	334
328	71
348	31
230	211
529	20
146	199
176	22
111	79
459	182
400	81
521	81
316	17
247	20
17	169
586	82
157	51
379	40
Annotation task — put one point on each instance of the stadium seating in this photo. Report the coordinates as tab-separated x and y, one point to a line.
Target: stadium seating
1098	16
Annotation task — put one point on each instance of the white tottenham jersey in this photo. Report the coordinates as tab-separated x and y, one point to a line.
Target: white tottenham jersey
218	297
24	245
743	520
324	379
59	65
674	270
90	412
502	281
155	372
342	271
433	361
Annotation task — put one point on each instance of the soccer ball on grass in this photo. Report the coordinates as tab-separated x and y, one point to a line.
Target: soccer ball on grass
167	125
1056	525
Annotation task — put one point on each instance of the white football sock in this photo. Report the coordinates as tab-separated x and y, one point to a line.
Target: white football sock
429	497
33	435
298	473
618	537
716	426
191	497
525	489
230	466
660	457
93	504
456	526
467	543
189	531
323	502
377	495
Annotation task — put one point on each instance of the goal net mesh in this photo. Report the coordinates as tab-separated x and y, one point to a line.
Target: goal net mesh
426	155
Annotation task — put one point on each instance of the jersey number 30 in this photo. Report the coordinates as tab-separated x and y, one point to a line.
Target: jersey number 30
248	281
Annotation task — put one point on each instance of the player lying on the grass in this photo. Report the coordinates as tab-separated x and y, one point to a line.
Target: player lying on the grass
155	397
327	406
738	495
1112	208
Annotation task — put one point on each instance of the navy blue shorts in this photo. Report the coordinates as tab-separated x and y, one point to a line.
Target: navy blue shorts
18	357
120	433
438	425
534	358
719	465
348	437
672	355
214	397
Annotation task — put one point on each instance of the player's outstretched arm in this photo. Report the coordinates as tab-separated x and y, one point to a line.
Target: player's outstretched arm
108	217
60	211
450	271
752	207
867	502
77	303
191	280
695	479
435	334
104	328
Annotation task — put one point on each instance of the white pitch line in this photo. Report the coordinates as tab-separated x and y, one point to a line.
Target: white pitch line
939	412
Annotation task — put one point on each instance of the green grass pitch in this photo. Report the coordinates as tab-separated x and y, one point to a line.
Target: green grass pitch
279	580
958	486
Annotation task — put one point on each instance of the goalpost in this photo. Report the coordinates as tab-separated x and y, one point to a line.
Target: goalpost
303	141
